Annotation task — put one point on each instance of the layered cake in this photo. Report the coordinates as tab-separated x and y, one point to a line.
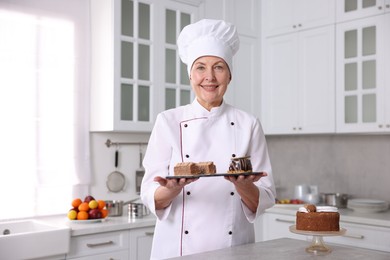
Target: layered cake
321	218
240	165
191	168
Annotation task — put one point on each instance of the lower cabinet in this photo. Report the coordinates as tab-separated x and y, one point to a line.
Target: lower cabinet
133	244
140	243
275	225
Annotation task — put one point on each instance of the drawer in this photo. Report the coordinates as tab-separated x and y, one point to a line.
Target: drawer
98	243
117	255
277	226
364	236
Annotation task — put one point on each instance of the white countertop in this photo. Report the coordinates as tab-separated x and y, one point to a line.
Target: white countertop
109	224
381	219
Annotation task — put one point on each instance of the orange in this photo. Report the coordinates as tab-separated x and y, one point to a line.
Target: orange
84	206
82	215
76	203
101	204
104	213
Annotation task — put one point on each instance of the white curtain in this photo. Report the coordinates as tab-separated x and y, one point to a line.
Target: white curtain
44	106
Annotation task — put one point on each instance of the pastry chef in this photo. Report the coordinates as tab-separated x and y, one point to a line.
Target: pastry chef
203	214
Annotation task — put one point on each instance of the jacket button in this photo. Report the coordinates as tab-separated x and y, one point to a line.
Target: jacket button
232	193
230	232
232	123
186	232
185	125
187	156
233	155
188	193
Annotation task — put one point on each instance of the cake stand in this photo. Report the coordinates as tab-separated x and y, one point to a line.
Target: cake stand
318	246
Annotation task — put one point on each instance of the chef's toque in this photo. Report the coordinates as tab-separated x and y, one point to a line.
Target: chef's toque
208	38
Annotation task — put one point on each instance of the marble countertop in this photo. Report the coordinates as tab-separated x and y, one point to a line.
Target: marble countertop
286	248
79	228
381	219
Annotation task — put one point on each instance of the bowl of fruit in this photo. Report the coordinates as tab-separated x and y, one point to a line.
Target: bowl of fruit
87	210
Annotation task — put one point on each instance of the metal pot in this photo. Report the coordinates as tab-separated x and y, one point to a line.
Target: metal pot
137	210
114	207
339	200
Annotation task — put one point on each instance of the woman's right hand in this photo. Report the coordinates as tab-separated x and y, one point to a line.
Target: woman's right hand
168	190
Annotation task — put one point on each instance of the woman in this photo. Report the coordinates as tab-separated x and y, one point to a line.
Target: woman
203	214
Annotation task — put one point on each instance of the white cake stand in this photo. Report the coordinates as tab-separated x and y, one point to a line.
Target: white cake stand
318	246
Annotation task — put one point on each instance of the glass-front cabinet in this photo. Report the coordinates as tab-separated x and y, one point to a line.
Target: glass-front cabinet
135	69
355	9
362	72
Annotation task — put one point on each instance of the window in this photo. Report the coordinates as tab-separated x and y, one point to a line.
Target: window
44	107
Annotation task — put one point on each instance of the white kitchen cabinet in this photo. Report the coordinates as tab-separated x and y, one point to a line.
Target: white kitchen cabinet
347	10
298	87
276	225
106	245
140	245
133	62
362	75
283	16
364	236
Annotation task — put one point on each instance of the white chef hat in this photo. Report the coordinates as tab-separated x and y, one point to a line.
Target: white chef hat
208	37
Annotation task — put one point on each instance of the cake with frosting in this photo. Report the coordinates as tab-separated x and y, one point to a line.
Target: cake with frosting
191	168
240	165
317	218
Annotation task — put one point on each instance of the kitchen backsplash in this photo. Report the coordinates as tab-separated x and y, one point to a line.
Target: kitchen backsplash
358	165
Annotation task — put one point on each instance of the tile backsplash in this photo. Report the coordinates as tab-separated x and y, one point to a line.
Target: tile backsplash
358	165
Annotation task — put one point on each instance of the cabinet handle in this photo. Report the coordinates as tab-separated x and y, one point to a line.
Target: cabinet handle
149	233
100	244
284	220
380	126
299	25
388	126
294	26
387	6
355	236
380	7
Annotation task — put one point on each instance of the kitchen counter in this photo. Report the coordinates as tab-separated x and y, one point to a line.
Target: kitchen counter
286	248
381	219
79	228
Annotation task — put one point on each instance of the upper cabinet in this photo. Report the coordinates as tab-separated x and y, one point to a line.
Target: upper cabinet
355	9
299	83
135	68
363	79
283	16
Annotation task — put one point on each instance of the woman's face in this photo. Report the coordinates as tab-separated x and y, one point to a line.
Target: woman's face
209	79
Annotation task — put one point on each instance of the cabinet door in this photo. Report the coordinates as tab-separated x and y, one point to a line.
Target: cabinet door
282	16
361	75
316	84
354	9
364	236
117	255
280	84
140	242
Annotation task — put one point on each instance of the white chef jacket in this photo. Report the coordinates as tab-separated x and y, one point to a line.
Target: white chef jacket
208	214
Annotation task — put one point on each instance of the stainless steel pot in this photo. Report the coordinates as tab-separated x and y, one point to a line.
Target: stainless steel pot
339	200
137	210
114	207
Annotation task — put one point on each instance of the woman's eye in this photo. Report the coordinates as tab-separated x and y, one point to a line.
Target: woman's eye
219	67
200	68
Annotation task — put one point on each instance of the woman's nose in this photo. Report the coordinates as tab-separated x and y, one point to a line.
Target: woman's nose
210	76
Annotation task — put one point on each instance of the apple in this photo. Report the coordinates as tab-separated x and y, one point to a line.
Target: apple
88	198
94	214
93	204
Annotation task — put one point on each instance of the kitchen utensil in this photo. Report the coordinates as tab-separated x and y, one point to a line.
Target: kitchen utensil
114	207
139	173
116	180
137	210
335	199
301	191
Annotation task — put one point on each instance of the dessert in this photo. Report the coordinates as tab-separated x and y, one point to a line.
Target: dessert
240	165
191	168
321	218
